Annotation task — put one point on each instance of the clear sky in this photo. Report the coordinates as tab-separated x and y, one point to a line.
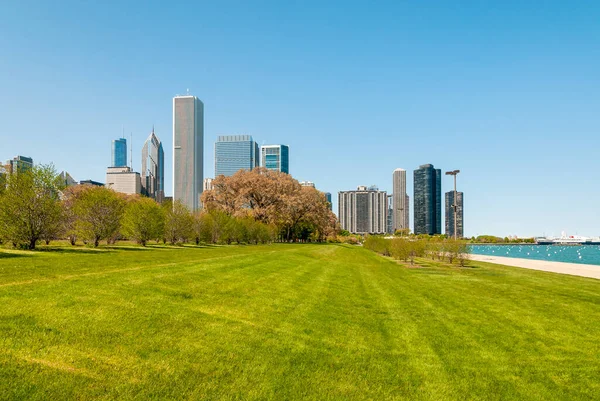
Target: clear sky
505	91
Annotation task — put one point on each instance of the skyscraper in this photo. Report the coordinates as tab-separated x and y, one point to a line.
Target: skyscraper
118	153
399	201
234	153
450	214
188	137
276	157
153	168
428	200
363	211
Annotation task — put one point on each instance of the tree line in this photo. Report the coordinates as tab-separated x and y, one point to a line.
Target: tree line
35	207
409	248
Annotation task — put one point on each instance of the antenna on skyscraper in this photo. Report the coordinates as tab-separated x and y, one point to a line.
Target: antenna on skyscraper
131	151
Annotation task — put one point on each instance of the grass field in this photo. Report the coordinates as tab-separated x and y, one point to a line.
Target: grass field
287	322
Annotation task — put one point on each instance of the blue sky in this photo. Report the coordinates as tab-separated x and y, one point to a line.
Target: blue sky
507	92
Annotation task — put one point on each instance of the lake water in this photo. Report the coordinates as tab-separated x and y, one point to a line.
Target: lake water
586	254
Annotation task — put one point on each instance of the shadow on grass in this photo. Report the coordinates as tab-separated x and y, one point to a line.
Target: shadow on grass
74	249
7	255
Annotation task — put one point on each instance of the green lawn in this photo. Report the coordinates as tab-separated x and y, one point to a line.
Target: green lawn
284	322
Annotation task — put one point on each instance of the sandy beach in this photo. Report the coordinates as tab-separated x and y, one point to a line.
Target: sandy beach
575	269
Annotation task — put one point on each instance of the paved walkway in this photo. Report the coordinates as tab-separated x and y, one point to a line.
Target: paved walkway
574	269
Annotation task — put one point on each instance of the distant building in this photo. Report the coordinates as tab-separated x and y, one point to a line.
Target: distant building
363	211
153	168
91	182
427	200
399	204
188	138
19	164
234	153
450	214
123	180
118	153
390	215
208	184
307	184
275	157
328	197
66	180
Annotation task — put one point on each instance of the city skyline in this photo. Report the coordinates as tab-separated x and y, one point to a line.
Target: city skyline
495	94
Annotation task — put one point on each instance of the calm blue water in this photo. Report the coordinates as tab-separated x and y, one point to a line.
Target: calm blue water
587	254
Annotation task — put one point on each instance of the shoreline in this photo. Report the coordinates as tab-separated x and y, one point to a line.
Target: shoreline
573	269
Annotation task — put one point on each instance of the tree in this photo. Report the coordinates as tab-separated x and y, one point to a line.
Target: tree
272	197
98	212
30	207
143	220
179	222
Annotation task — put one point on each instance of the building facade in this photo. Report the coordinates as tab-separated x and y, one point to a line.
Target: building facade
363	211
19	164
153	168
188	138
328	197
275	157
66	180
123	180
427	200
307	184
399	202
118	154
450	214
234	153
207	184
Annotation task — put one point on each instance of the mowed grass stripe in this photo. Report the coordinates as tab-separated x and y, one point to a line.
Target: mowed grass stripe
291	322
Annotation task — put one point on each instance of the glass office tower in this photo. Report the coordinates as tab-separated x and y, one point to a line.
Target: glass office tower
276	157
427	200
450	214
234	153
153	168
119	153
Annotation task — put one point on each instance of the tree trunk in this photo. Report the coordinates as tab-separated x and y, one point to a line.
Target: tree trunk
143	242
32	242
72	239
96	242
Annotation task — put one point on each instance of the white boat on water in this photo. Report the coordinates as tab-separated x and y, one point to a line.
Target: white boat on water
568	240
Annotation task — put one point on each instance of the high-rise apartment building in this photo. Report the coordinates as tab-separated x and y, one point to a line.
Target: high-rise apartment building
19	164
399	201
275	157
450	214
188	137
118	153
153	168
427	200
234	153
363	211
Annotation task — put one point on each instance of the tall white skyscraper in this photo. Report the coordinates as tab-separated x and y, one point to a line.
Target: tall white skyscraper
399	200
188	148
